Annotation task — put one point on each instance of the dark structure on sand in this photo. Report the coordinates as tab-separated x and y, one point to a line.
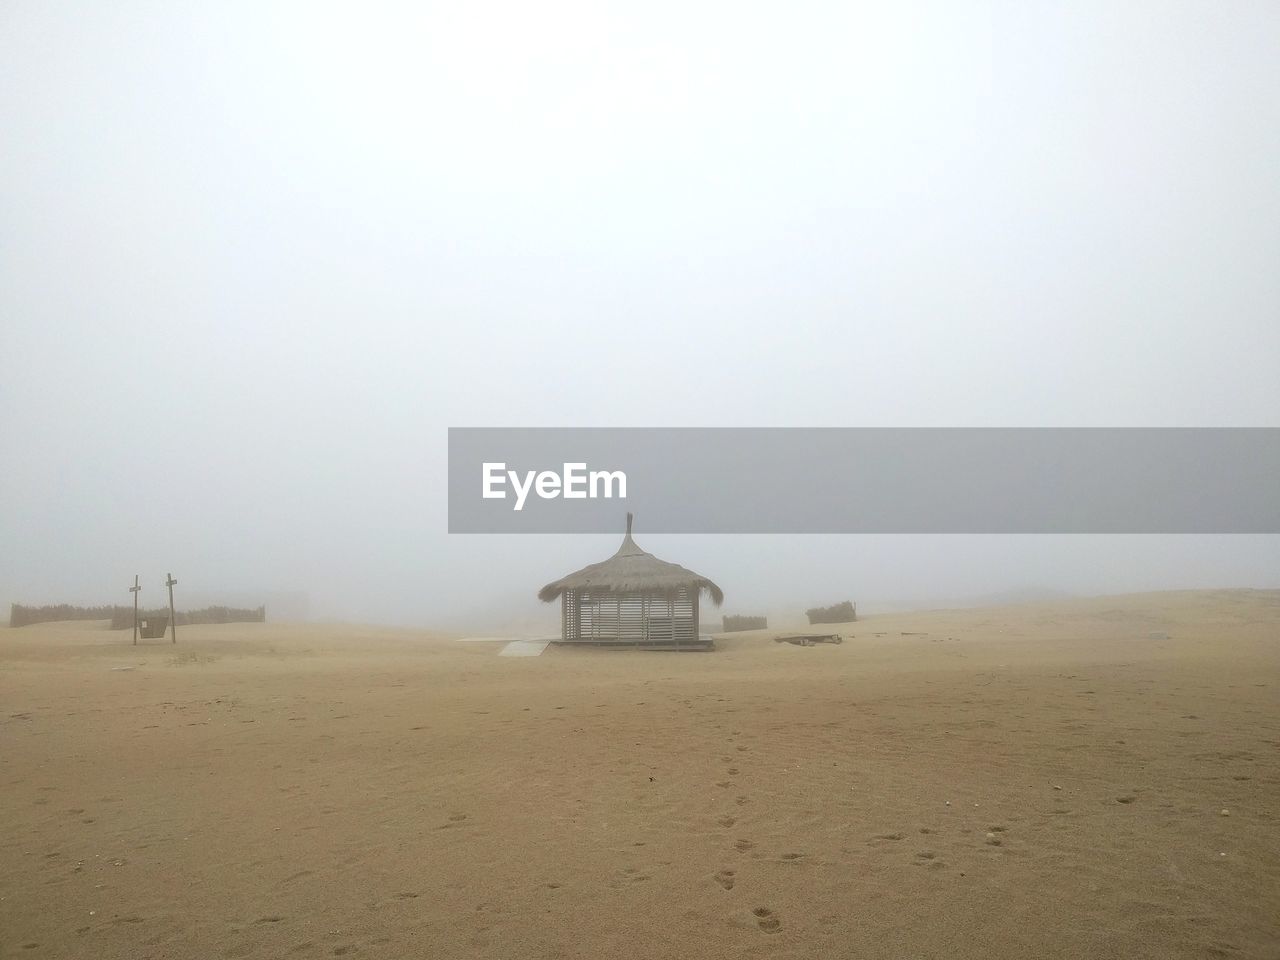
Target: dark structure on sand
633	599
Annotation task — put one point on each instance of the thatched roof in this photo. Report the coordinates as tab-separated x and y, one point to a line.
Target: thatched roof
631	570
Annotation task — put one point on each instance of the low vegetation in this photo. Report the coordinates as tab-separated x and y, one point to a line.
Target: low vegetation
122	617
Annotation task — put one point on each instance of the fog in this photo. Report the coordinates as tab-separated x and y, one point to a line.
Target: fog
255	259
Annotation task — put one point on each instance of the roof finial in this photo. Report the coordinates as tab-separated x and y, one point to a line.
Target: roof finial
630	516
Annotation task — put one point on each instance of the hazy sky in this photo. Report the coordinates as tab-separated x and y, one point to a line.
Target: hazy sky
256	258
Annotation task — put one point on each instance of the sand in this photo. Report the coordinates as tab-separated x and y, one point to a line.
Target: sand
1032	782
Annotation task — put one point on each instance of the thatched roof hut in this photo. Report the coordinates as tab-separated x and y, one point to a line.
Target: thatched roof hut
633	599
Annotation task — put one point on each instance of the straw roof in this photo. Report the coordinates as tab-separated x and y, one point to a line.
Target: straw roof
631	570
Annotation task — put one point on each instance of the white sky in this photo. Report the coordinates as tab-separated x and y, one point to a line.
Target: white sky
256	258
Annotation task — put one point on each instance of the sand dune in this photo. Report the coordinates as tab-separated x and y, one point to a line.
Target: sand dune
1035	781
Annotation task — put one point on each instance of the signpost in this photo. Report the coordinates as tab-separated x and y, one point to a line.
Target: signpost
173	617
134	590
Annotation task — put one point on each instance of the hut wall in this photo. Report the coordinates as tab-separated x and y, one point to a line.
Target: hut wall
629	618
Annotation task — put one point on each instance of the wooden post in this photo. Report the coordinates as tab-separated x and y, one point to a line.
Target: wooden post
134	590
173	617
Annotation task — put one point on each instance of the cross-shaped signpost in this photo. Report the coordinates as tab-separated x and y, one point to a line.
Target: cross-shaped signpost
134	590
173	617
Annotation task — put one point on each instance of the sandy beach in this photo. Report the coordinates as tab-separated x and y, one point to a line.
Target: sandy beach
1093	778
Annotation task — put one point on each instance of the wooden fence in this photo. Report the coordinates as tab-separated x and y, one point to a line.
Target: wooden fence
846	612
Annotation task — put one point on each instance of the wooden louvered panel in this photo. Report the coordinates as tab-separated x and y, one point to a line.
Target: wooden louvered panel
630	619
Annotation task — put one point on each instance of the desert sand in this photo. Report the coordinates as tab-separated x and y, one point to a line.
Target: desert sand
1038	781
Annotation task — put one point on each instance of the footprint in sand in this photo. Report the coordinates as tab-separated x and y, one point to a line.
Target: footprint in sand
892	836
458	817
725	879
741	800
766	920
727	821
792	857
744	845
733	771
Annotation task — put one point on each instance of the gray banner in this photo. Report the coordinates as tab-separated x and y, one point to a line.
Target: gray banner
856	480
